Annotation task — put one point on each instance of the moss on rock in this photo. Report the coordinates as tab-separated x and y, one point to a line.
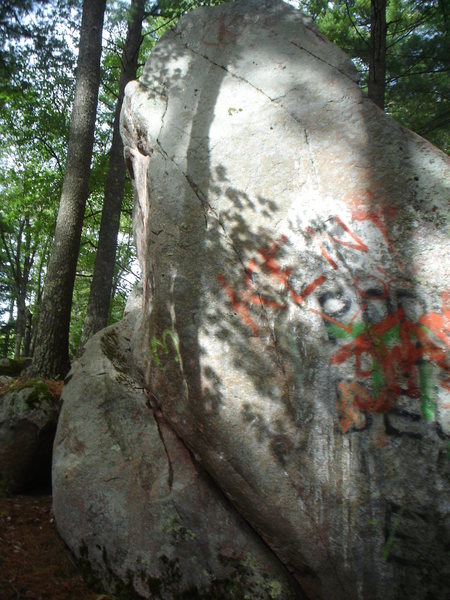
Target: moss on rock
38	391
13	367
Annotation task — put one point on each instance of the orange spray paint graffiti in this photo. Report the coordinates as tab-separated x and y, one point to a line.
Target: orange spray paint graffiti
400	355
230	29
393	356
249	295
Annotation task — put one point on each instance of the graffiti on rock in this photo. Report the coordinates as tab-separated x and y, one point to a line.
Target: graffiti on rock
394	357
230	29
162	347
389	348
249	295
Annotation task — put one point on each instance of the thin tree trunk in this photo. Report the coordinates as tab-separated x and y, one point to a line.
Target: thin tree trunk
377	66
9	327
20	325
101	286
28	332
23	276
38	293
51	356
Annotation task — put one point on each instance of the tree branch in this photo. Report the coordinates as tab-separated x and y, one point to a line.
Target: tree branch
52	152
408	73
354	25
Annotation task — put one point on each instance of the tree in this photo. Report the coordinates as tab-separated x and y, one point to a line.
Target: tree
51	356
410	39
377	63
100	292
35	96
26	227
418	67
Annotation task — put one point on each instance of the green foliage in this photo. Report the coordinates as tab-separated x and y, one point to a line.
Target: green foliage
171	9
417	63
35	99
418	91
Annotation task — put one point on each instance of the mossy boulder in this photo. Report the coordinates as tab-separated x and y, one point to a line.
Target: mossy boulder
28	417
13	367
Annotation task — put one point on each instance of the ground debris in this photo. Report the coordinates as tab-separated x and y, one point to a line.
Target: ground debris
35	564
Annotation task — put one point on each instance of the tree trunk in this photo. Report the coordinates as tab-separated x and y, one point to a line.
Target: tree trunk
9	327
51	356
100	293
377	66
20	325
38	296
28	333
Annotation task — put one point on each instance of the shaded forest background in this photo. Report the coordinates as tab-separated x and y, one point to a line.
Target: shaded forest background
400	47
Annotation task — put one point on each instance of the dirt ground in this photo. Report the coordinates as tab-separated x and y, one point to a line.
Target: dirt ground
34	562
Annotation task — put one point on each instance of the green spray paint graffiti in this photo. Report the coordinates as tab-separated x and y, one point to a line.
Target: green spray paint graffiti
390	540
161	346
386	352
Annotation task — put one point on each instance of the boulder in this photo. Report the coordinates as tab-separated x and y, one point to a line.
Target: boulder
296	300
132	501
10	367
28	417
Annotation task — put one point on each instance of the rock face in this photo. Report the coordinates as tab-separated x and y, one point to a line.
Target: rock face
290	346
28	417
296	297
132	502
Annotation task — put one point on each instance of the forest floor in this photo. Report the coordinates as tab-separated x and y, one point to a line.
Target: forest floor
34	562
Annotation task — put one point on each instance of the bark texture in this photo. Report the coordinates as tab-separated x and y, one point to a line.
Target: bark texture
100	293
51	358
377	67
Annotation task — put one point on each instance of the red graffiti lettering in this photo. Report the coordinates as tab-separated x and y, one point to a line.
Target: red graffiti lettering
438	324
230	29
349	417
241	302
373	295
359	245
377	217
398	346
324	253
347	328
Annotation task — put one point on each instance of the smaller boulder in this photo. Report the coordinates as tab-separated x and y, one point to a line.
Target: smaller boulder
12	367
28	417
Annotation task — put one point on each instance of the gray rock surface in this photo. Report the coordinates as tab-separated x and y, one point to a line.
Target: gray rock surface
294	245
28	417
133	503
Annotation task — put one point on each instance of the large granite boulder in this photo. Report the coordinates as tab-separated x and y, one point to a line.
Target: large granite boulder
133	503
296	297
